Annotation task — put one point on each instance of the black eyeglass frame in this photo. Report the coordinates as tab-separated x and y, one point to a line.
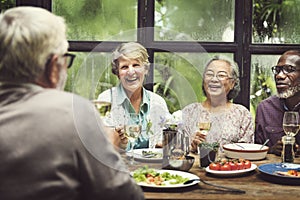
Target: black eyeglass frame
285	69
70	58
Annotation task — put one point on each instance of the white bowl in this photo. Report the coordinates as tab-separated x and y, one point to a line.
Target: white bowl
245	150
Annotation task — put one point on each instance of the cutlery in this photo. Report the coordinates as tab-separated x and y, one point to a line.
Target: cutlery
229	189
238	145
231	142
264	144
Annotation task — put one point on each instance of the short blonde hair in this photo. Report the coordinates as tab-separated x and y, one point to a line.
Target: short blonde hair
131	50
29	36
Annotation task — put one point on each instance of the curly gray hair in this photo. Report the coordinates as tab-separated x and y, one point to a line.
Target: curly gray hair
234	74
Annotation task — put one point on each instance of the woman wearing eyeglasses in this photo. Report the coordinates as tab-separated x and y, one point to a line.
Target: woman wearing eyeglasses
269	113
229	122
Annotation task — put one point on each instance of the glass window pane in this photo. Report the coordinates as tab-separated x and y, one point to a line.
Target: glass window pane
262	83
205	20
178	77
6	4
276	21
99	20
90	74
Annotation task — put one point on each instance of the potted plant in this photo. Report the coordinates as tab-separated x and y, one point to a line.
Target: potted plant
208	153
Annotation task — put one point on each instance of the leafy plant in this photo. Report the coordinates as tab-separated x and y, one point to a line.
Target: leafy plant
211	146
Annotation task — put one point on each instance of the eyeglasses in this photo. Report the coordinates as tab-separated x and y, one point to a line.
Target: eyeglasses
221	76
286	69
69	59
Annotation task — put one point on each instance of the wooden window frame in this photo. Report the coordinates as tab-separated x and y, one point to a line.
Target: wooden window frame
242	46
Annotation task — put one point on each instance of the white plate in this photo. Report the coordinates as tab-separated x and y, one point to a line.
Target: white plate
173	172
231	172
138	155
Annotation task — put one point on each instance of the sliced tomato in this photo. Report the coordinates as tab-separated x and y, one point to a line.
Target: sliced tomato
233	165
214	166
225	167
240	165
247	164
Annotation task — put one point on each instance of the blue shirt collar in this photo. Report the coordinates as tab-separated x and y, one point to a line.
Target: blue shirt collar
122	99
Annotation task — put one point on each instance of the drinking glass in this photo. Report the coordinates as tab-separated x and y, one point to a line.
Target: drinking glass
132	129
102	107
204	126
291	123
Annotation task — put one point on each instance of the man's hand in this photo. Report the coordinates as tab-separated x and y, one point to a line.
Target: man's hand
117	137
277	148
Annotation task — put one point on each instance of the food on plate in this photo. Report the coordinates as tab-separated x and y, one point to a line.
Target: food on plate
290	173
230	164
151	154
154	177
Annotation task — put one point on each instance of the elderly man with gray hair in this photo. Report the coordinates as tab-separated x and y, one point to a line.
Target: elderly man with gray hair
52	143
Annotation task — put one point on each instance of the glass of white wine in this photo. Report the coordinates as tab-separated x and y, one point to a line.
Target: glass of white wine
291	123
103	107
204	126
132	129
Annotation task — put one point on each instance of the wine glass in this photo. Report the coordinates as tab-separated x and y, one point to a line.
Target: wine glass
291	123
204	126
103	107
132	129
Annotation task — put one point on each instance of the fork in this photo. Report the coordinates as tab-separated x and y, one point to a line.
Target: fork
228	189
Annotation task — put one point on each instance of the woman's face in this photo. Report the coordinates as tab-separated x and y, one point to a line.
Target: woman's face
217	79
131	74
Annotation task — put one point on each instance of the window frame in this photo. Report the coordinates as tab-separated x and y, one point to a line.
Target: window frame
242	46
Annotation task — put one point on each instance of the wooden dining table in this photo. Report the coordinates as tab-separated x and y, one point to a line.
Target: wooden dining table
256	185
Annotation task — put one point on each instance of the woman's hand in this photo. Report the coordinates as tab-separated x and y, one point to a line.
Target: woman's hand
123	140
198	139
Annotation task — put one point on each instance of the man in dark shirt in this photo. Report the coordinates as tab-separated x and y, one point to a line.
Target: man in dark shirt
269	114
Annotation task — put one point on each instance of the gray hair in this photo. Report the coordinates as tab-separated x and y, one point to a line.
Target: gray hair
29	36
234	74
131	50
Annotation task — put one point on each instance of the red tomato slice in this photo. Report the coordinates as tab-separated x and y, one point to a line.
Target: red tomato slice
214	166
240	165
225	167
233	165
247	164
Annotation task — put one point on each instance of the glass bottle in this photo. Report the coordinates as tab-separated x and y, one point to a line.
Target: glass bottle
288	154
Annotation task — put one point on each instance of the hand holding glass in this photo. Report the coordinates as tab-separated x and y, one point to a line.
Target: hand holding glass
133	130
204	127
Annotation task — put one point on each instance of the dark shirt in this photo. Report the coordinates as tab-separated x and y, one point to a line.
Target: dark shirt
268	121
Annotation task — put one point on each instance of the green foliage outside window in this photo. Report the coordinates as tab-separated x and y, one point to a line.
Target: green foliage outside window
274	21
5	4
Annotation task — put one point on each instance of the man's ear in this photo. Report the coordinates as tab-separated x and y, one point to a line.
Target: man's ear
52	72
